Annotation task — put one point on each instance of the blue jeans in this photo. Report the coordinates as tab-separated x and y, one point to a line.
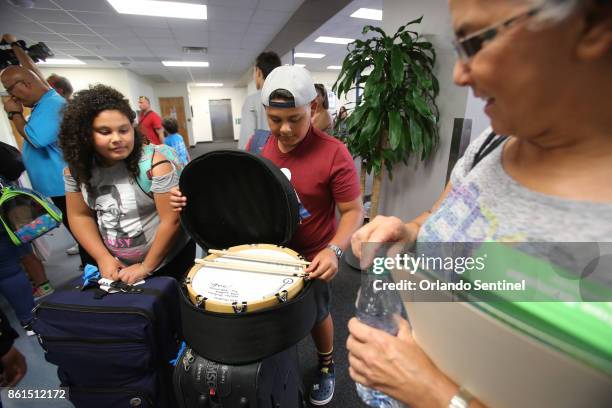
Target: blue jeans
14	283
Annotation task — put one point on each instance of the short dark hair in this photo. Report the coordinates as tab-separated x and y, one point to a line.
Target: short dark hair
267	61
323	94
60	82
170	125
283	95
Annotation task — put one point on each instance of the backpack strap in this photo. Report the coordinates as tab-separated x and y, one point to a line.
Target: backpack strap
145	165
258	141
491	143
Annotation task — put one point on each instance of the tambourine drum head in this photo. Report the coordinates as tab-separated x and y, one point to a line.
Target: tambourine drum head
227	290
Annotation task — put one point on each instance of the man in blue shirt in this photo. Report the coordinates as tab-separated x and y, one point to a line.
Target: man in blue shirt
41	154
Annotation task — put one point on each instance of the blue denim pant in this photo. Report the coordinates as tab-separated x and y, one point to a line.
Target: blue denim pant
14	283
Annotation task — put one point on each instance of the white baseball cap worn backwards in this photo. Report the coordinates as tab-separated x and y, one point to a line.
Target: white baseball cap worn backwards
295	80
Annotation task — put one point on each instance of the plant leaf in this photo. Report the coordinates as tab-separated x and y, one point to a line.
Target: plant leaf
397	66
395	129
416	135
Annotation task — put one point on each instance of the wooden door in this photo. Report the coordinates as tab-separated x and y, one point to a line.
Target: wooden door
175	107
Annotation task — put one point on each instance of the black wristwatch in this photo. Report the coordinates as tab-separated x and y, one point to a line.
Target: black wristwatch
13	113
336	249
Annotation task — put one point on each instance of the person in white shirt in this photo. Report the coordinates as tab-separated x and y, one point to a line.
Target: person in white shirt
253	113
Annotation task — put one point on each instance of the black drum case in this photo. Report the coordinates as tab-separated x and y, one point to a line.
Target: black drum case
236	198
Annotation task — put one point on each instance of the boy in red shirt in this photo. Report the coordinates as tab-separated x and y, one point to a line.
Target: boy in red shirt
323	173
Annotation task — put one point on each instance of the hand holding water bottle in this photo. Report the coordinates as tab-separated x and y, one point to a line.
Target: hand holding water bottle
385	359
382	310
396	366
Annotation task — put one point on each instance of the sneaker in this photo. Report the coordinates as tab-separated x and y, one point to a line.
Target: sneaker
322	390
73	250
42	290
28	329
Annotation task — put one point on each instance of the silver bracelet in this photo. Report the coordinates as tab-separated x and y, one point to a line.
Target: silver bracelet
461	400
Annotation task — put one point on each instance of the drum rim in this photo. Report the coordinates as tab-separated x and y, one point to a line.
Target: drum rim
215	306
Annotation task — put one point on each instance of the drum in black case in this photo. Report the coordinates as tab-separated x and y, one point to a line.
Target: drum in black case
235	199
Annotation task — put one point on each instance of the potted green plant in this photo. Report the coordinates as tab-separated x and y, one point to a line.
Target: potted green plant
397	116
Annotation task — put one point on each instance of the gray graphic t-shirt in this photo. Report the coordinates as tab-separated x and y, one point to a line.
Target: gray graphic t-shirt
127	216
486	204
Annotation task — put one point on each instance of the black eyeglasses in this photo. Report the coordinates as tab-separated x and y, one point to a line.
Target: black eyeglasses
466	47
9	89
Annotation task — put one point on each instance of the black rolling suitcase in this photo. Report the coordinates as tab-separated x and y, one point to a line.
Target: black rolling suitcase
274	382
112	350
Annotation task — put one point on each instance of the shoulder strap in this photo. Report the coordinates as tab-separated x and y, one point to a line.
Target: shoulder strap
491	143
145	165
258	141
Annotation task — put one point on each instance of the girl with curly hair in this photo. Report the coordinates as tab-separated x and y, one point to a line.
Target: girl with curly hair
137	234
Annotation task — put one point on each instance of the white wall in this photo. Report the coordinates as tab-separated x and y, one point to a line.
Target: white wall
199	97
81	78
141	87
475	111
415	187
128	83
174	91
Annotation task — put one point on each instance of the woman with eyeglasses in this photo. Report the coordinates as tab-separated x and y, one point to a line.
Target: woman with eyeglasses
544	69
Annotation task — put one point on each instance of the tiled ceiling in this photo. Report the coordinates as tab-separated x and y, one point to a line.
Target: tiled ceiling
91	30
341	25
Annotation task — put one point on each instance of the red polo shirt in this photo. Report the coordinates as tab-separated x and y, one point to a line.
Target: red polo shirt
323	173
147	123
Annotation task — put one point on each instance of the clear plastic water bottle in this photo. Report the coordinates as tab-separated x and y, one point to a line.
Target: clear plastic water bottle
380	309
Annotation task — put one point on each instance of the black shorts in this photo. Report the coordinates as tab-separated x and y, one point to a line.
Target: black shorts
323	298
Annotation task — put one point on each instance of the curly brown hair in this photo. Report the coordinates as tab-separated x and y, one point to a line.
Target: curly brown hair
76	132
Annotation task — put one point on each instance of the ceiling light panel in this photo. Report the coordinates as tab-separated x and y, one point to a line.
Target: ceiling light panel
185	63
209	84
169	9
308	55
368	14
61	61
334	40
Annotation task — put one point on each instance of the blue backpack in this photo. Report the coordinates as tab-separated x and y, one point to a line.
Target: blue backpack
258	141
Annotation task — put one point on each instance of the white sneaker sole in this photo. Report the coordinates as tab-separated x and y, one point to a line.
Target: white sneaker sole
324	402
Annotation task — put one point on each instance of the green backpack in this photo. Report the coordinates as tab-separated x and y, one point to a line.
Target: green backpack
145	165
26	214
